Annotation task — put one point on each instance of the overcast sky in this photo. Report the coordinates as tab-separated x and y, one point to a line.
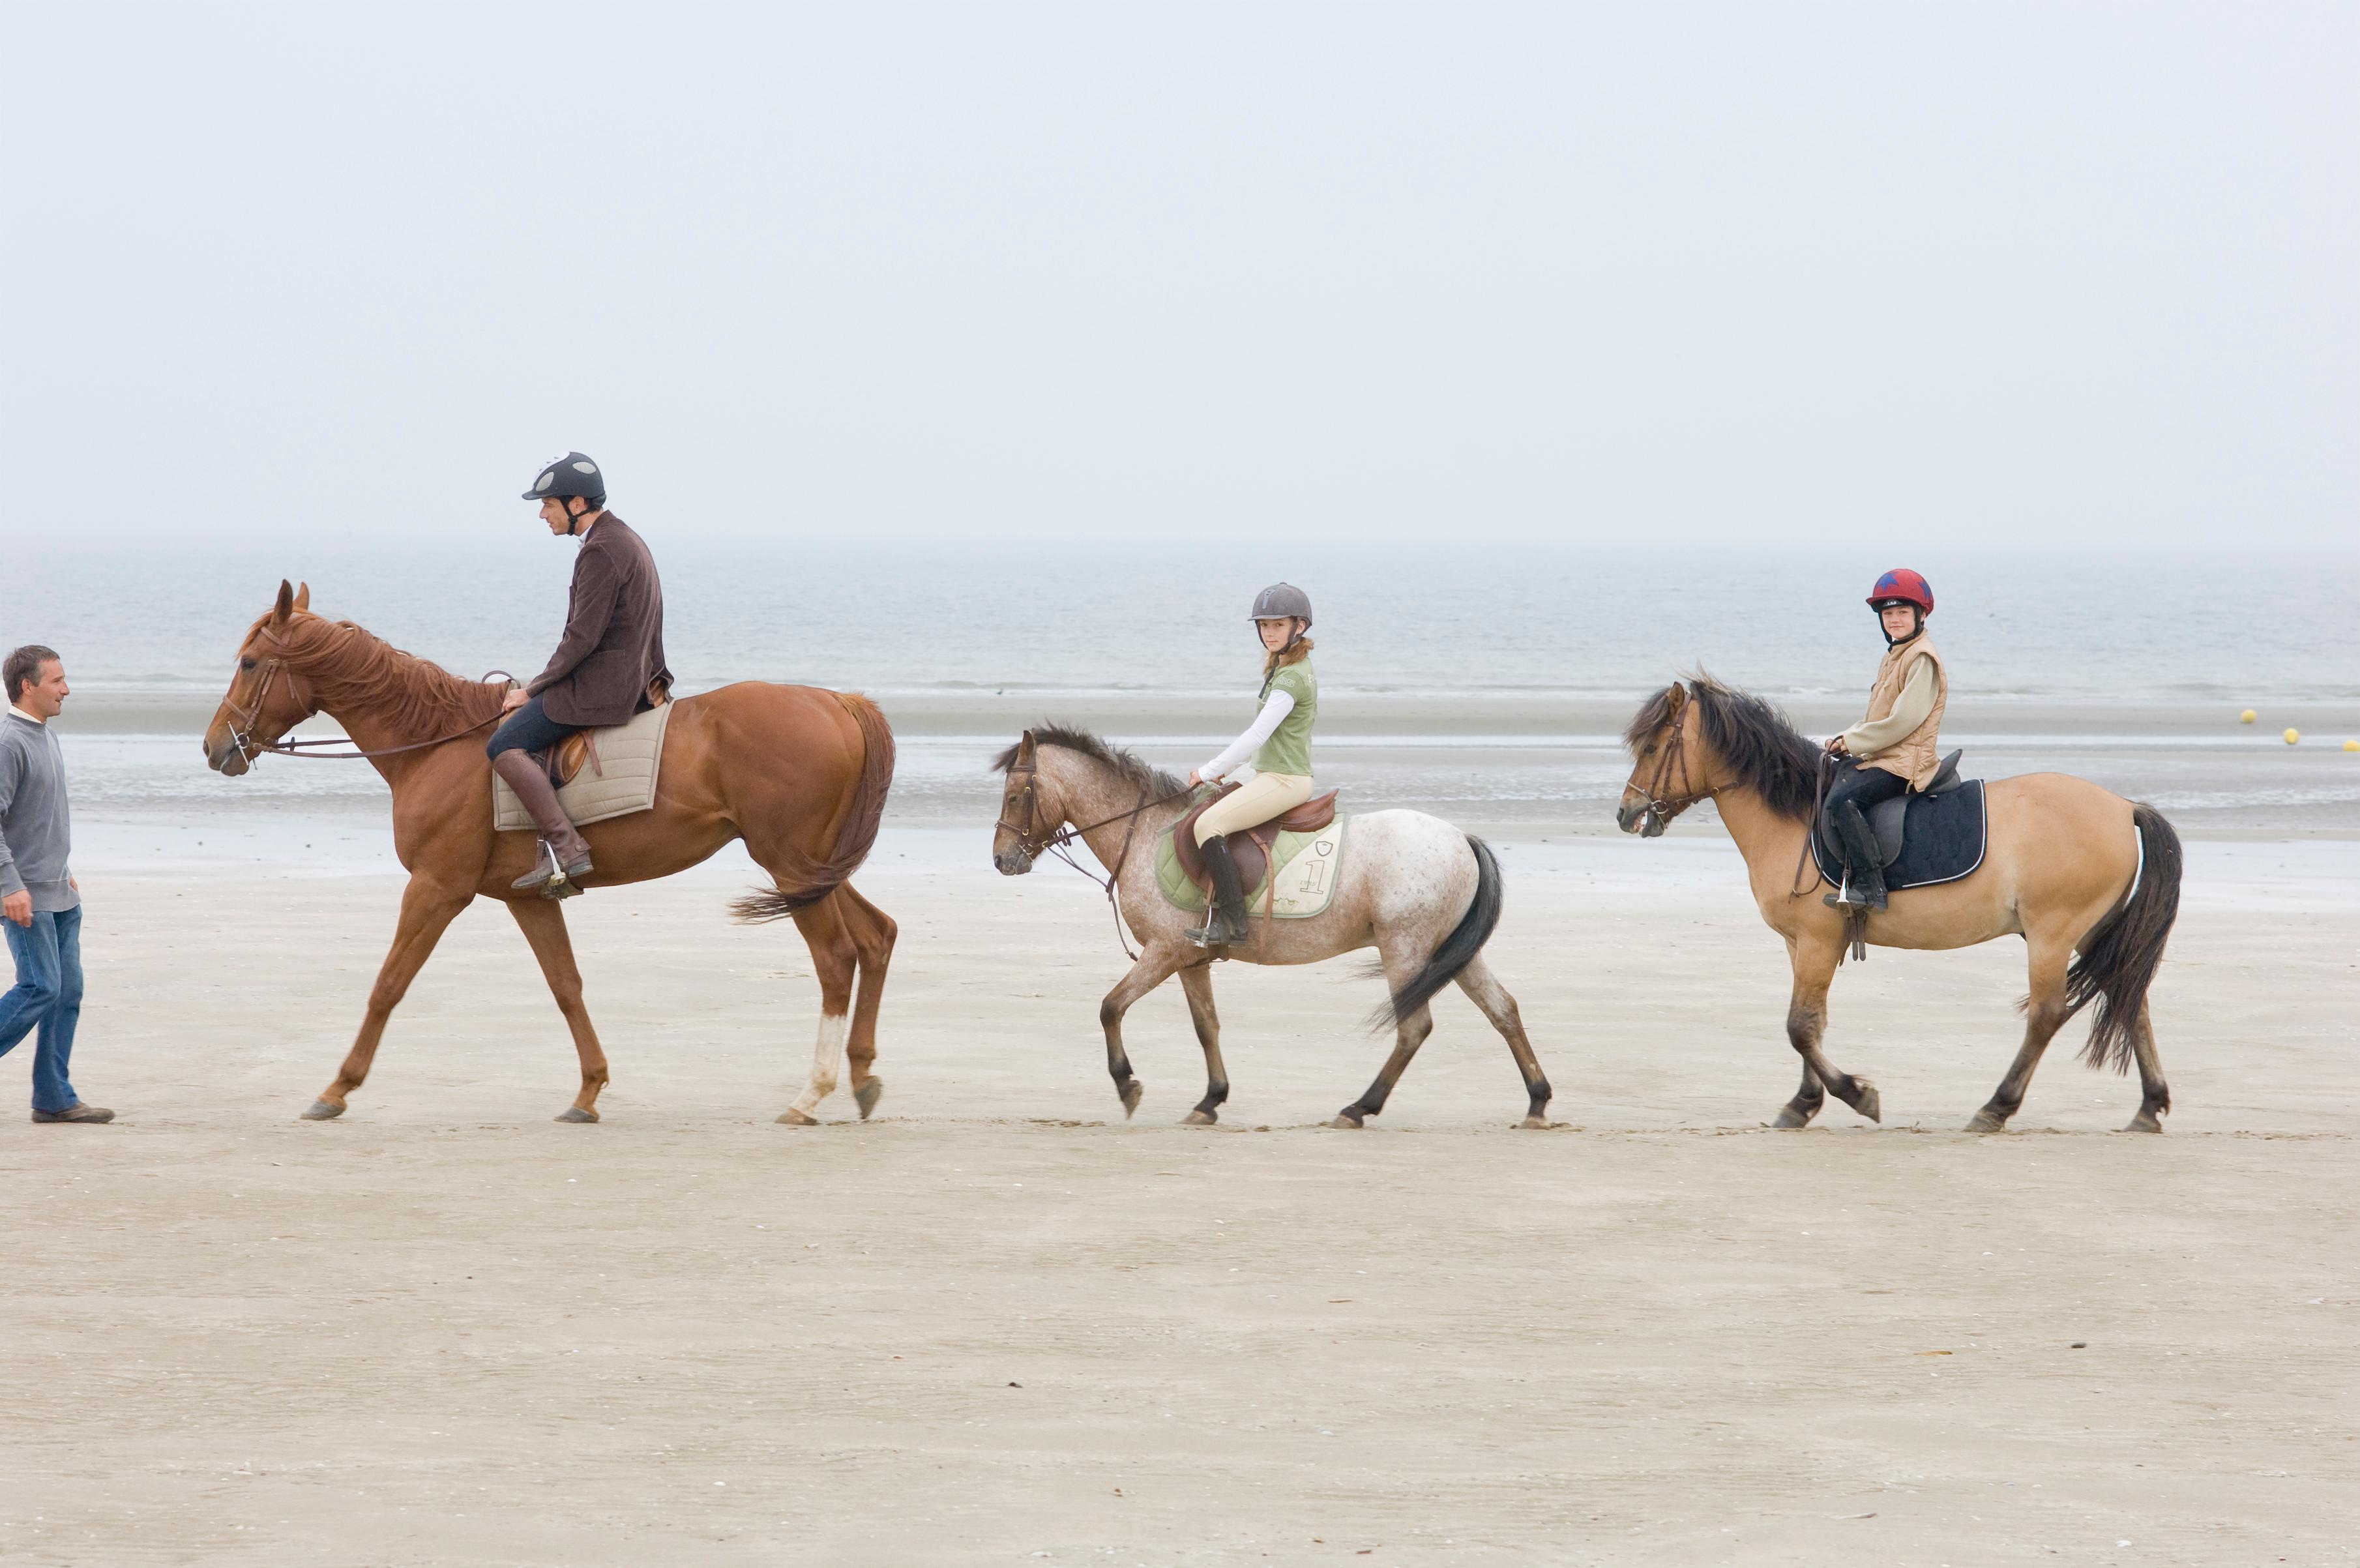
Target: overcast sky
2038	273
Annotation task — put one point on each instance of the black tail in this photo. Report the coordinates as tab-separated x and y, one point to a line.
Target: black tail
1457	949
2118	960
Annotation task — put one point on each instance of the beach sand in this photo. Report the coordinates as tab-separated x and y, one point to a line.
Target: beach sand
999	1324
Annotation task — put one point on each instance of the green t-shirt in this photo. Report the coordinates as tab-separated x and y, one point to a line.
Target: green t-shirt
1288	749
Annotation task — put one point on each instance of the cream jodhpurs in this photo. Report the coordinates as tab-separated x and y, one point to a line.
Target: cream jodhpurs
1263	797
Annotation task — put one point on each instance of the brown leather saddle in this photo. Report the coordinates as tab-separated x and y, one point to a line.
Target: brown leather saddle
564	762
1251	848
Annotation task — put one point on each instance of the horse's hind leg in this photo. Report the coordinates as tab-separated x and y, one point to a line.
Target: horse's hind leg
2044	1013
2154	1095
426	910
834	957
872	931
1806	1025
543	924
1483	988
1409	1033
1196	979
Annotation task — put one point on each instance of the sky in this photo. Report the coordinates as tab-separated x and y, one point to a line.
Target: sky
1041	275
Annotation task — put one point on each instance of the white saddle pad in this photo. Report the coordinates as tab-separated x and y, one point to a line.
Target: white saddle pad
616	779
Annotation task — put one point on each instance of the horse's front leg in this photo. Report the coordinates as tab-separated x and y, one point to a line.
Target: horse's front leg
1815	963
426	907
1196	979
543	924
1155	967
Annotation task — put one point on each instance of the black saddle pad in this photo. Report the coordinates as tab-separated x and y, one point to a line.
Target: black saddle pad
1942	840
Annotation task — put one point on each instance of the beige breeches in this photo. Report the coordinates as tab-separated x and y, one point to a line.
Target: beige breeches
1263	797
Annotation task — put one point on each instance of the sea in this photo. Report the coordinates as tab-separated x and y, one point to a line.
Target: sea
1485	682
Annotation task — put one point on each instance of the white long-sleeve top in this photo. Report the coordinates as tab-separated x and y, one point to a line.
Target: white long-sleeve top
1273	714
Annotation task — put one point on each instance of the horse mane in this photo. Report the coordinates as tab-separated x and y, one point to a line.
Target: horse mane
1136	770
1753	737
358	668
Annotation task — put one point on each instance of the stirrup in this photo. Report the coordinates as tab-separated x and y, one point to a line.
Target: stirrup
547	877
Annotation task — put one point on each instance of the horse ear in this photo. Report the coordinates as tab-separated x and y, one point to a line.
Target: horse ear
1025	751
1679	695
302	595
286	605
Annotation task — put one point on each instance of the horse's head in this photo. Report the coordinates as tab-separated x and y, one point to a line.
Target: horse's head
1670	763
266	698
1030	811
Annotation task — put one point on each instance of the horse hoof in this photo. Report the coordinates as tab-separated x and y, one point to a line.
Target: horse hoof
323	1111
1789	1117
1984	1122
1347	1119
1132	1094
1201	1118
1537	1124
790	1117
866	1096
1867	1104
577	1113
2143	1123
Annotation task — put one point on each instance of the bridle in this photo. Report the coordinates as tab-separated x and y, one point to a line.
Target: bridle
1060	842
243	719
1660	809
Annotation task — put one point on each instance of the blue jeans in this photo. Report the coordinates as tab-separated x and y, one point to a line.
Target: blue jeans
46	996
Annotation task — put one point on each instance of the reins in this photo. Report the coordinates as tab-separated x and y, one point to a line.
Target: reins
1060	843
247	717
1812	826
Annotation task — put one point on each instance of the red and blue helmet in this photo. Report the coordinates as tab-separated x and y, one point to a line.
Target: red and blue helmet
1901	583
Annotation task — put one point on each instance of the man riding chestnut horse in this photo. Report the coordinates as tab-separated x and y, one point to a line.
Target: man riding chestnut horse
608	667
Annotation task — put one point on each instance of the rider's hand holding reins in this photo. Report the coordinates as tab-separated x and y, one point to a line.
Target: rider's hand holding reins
1836	746
516	698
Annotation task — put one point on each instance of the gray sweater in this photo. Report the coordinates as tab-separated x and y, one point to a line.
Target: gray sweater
35	830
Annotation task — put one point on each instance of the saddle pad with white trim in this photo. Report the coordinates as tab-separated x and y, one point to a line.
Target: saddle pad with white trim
618	778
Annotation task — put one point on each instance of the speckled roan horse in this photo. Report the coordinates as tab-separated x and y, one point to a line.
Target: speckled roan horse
1425	895
2088	880
799	774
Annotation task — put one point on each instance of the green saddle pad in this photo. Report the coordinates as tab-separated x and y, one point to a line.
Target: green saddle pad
1307	867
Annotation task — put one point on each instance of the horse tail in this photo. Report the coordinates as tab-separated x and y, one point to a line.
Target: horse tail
1457	949
2118	959
815	879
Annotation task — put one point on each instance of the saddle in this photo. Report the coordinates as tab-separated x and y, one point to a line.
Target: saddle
564	762
1251	848
1934	835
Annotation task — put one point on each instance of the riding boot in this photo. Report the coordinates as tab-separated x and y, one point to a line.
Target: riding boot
567	858
1225	922
1863	859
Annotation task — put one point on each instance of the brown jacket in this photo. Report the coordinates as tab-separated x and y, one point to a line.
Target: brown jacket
1915	756
612	653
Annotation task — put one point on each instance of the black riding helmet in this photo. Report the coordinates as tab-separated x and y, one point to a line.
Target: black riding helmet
572	475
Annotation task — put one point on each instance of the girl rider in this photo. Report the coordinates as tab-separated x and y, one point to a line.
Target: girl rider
1279	740
1892	751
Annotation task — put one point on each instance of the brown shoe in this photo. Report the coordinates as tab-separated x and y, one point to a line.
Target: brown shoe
76	1113
565	857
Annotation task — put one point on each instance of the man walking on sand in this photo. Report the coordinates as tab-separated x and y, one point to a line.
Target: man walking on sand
40	905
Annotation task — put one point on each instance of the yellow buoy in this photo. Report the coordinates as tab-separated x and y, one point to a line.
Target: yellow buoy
2351	745
2293	736
2247	718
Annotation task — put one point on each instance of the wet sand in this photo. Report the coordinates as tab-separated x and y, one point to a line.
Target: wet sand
999	1324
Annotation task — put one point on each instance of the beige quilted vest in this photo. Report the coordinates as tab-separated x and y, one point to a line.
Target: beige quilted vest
1915	756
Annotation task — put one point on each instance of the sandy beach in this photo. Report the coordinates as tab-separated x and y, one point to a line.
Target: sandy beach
999	1324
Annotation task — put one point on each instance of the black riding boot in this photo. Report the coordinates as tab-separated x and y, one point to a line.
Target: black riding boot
567	859
1225	922
1863	868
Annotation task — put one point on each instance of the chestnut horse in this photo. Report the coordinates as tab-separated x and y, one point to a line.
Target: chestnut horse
800	773
2088	880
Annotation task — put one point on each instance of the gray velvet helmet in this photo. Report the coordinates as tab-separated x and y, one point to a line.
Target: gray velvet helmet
1280	600
572	475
